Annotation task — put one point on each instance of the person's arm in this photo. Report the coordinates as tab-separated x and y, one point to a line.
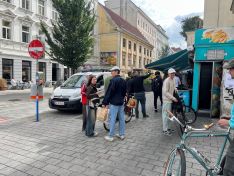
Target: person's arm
83	91
89	93
106	99
145	76
227	123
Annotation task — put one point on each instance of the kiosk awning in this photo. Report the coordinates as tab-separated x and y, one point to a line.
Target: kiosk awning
178	61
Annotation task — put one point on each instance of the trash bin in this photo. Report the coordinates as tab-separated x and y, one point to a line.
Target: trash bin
186	96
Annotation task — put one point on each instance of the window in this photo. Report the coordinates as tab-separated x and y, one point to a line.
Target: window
6	30
144	51
150	53
55	15
42	68
147	52
129	45
140	49
124	42
41	7
123	59
134	47
134	61
25	34
140	62
26	71
7	1
25	4
144	61
7	69
129	60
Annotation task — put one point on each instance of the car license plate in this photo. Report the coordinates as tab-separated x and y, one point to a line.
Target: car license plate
59	103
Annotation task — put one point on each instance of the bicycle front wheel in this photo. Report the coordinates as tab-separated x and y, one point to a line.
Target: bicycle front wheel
190	116
176	164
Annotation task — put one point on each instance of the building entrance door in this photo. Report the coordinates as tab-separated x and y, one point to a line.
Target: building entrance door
205	86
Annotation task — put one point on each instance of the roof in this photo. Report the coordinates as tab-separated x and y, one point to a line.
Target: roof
123	24
178	61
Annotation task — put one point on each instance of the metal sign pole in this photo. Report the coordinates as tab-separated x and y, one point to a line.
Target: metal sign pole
37	98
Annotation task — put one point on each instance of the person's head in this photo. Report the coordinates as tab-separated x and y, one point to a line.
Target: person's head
171	73
157	73
115	71
92	80
129	74
230	67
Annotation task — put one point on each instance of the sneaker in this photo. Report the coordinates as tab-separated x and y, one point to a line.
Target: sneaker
156	110
120	137
95	134
145	116
171	130
108	138
167	133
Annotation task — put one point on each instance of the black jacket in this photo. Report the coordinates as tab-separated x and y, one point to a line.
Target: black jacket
157	84
116	92
129	86
138	83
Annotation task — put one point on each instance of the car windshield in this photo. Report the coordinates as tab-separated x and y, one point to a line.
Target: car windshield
73	82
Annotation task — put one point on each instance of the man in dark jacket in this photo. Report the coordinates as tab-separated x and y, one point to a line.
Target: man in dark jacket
129	84
139	92
157	89
114	98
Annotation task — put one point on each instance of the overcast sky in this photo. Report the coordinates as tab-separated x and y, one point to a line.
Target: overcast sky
168	13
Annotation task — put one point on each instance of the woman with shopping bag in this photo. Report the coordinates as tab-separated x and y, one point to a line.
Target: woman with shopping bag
93	99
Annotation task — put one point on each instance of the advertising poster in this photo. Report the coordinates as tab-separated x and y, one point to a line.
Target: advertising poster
108	58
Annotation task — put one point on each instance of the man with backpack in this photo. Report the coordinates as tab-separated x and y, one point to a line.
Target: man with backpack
157	84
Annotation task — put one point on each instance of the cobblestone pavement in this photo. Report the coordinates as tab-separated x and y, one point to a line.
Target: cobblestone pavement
56	146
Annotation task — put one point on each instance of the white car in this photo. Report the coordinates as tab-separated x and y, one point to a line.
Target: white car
68	95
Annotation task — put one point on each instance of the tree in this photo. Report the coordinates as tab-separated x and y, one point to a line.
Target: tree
70	40
165	51
190	24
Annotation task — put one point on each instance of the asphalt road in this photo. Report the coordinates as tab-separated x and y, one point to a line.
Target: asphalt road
24	96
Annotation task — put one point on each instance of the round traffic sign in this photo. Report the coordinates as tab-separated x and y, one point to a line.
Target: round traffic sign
36	49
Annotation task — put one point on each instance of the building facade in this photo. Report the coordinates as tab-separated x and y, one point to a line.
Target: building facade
19	24
154	33
217	13
121	43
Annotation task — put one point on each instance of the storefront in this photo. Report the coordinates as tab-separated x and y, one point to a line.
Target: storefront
7	69
212	48
26	71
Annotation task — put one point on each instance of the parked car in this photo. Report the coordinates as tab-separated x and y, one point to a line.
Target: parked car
68	97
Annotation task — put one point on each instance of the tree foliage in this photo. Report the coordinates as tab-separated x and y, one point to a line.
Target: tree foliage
71	39
165	51
190	24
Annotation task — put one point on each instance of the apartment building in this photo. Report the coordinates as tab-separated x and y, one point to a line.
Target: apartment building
121	43
154	33
217	13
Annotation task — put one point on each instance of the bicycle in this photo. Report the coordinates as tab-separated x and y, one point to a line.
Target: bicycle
185	113
129	113
176	163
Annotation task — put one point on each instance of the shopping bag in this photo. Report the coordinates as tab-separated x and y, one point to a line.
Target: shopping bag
102	114
132	103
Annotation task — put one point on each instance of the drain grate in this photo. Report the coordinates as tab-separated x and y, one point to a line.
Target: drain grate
14	100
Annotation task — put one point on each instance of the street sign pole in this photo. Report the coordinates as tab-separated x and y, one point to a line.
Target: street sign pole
37	98
36	50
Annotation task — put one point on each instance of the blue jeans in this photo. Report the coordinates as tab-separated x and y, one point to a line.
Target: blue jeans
140	97
114	112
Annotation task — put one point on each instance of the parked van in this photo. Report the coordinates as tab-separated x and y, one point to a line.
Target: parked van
68	95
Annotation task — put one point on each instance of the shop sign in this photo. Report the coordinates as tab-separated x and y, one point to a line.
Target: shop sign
108	58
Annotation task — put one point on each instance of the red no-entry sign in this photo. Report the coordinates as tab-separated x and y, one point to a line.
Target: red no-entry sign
36	49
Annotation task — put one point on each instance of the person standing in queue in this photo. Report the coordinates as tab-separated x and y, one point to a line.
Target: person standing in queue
139	92
93	98
114	98
167	92
157	84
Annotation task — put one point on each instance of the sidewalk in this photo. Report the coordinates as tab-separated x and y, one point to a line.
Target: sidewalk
8	92
56	147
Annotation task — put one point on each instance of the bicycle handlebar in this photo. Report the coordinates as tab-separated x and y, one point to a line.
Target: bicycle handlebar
173	118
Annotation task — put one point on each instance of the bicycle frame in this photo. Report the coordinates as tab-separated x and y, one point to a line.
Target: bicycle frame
197	156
